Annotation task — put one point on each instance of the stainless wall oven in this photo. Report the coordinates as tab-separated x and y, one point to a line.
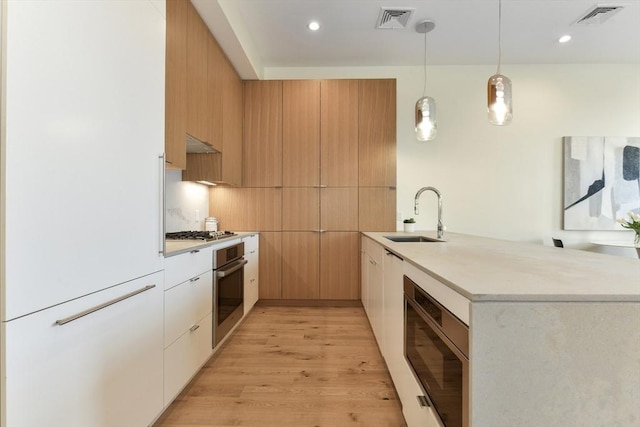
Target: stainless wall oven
436	345
228	289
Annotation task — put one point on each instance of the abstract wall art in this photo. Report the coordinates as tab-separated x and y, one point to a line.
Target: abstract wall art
601	181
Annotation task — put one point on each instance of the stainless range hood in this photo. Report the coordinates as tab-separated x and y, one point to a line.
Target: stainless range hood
195	146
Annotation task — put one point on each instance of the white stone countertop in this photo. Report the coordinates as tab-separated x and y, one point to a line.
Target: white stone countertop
176	247
485	269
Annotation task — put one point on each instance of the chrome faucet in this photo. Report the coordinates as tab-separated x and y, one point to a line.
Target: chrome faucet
417	211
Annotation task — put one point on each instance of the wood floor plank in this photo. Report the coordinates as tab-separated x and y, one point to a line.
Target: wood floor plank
292	366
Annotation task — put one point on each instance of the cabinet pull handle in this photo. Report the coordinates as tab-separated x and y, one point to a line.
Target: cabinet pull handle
423	401
103	305
372	262
232	269
194	327
163	204
194	279
392	254
320	186
195	251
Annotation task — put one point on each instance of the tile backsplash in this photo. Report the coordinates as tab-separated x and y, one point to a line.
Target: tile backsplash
187	203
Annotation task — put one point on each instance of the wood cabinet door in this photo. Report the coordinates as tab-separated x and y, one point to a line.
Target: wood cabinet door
247	209
339	265
270	265
377	133
300	265
176	85
339	209
301	133
215	61
377	207
339	133
198	108
233	101
263	133
203	167
300	209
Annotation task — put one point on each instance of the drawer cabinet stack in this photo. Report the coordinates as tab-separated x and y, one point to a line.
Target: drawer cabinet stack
251	288
188	306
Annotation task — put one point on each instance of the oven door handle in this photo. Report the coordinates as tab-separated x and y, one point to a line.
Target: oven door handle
232	268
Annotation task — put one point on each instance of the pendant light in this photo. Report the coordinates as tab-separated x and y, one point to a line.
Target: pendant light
426	106
499	87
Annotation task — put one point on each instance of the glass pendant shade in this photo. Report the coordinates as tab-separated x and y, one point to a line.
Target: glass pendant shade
499	100
426	127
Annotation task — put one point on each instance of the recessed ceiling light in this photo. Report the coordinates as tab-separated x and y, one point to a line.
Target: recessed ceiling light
313	26
564	39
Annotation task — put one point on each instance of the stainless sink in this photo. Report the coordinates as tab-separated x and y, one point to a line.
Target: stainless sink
412	239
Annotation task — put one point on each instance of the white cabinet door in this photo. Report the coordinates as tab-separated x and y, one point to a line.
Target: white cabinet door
393	320
251	281
364	277
372	287
376	291
103	369
84	131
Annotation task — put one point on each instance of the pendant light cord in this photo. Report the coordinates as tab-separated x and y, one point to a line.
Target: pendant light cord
424	88
499	34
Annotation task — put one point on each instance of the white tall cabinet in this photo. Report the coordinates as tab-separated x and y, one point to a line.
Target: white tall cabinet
80	222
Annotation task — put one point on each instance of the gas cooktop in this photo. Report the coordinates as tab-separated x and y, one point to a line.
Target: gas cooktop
200	235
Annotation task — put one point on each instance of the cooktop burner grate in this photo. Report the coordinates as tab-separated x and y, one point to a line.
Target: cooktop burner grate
199	235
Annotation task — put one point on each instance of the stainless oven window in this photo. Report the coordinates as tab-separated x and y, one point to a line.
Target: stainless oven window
229	296
438	368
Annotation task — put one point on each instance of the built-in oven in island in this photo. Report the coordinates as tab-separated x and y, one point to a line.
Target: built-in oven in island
436	345
228	289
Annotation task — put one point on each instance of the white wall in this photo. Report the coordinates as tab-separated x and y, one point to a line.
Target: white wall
503	182
187	203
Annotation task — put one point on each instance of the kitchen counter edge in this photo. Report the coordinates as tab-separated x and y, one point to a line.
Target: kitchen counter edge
173	248
483	269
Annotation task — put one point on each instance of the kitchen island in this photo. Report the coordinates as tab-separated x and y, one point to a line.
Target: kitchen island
554	334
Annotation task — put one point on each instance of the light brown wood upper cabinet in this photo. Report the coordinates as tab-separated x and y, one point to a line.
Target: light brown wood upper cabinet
215	80
301	133
262	133
377	207
377	133
244	209
339	209
300	209
232	100
176	85
198	107
339	133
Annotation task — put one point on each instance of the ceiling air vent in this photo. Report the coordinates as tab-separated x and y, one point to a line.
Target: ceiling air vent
394	18
599	14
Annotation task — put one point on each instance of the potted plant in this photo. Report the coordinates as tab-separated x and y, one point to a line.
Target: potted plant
632	223
409	225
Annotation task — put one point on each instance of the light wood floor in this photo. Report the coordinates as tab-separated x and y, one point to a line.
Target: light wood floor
293	366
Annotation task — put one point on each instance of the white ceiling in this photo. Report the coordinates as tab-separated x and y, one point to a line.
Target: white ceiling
273	33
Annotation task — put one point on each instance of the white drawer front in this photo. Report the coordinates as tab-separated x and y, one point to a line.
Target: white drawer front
250	243
185	356
186	304
179	268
